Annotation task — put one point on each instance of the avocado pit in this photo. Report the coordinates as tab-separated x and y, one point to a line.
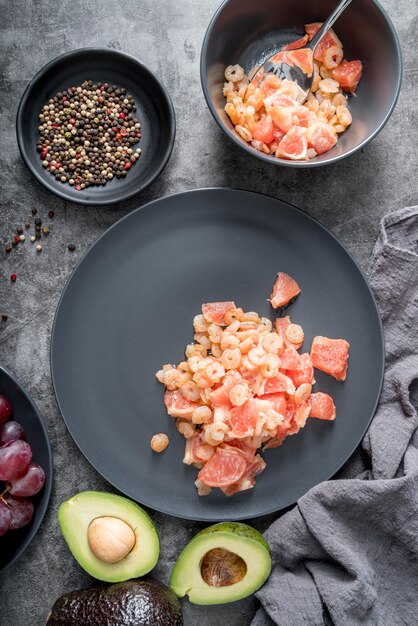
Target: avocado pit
221	568
110	539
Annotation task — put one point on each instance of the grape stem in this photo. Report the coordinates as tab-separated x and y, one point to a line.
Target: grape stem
5	490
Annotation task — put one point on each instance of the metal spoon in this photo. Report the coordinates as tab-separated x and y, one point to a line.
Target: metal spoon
274	65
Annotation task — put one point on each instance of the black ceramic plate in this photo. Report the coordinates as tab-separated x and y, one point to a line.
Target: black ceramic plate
15	542
128	308
154	110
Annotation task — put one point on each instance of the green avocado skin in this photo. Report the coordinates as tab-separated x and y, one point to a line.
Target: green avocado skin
238	528
138	602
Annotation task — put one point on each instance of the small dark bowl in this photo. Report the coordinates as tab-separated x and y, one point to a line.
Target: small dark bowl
248	32
154	110
15	542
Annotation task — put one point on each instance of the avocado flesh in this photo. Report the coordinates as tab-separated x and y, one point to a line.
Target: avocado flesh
131	603
241	539
75	516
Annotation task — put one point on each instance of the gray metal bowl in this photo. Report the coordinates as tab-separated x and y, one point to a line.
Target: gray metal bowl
247	32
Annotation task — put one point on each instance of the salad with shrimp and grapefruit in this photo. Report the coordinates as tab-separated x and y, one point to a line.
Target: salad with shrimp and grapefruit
267	111
244	386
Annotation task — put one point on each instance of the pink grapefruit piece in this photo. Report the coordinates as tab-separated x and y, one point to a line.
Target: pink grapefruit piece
322	406
225	467
348	75
299	43
284	290
294	145
214	312
177	405
330	356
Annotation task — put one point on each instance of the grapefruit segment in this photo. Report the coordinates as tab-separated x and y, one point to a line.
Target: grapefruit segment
247	481
294	145
321	137
177	405
322	406
284	290
225	467
242	420
214	312
282	109
348	75
312	28
277	400
281	323
299	43
290	359
279	384
330	356
301	58
304	373
264	129
269	84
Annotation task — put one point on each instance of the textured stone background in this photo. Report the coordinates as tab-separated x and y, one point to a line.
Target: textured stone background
349	198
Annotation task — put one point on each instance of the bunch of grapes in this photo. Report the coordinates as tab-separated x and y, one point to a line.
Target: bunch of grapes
22	478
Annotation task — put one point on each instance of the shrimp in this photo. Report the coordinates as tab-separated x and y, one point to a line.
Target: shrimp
234	73
270	366
231	359
333	57
202	415
190	391
272	343
257	356
294	333
239	394
214	434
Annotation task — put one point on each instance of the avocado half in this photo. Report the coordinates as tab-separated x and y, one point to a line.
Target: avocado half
223	563
75	516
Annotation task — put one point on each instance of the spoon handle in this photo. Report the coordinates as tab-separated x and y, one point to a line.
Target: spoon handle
341	6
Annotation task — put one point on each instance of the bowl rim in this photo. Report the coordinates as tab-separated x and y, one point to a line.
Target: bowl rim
61	191
49	472
286	162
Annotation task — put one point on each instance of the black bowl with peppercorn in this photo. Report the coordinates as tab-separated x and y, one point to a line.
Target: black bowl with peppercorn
95	126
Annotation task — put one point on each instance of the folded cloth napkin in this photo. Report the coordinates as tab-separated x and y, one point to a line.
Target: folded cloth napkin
347	554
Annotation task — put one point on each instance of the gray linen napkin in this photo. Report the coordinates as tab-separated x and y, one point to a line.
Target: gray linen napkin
347	554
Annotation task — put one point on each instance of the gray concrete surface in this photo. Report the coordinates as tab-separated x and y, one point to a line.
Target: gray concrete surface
349	198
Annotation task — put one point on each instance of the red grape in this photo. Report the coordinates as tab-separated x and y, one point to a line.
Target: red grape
5	518
21	510
15	458
5	409
30	483
10	431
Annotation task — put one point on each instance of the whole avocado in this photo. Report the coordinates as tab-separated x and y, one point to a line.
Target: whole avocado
138	602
